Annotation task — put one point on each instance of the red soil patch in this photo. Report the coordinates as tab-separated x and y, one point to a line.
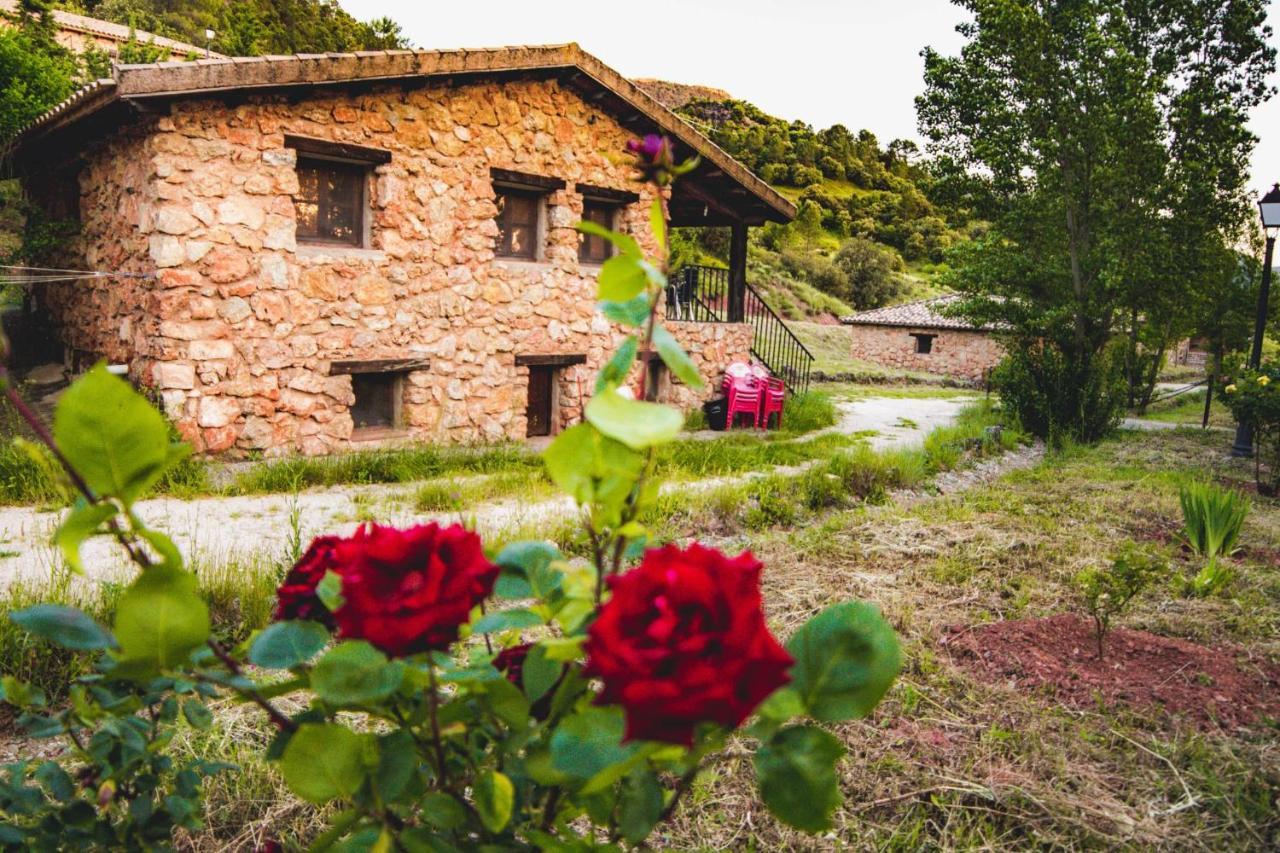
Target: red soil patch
1213	688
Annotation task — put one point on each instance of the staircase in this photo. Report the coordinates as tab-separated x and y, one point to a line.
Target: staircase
703	295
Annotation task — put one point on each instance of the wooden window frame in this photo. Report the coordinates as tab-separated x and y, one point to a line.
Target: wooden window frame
359	159
611	210
502	246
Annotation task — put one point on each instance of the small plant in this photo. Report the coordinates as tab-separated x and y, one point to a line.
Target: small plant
1107	592
1212	517
1214	576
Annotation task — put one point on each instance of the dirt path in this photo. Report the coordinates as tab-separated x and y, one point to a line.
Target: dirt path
222	530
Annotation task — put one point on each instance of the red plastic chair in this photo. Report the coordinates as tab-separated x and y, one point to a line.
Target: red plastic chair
772	401
745	393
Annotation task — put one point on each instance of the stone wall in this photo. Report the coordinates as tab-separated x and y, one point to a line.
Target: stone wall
956	352
239	329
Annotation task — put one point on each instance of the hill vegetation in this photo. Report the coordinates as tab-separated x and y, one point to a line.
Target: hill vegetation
868	232
250	27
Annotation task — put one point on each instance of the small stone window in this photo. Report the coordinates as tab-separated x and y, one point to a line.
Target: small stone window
519	222
331	205
595	249
377	405
330	202
924	343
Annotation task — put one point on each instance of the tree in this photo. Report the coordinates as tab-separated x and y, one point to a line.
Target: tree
1109	140
871	273
35	72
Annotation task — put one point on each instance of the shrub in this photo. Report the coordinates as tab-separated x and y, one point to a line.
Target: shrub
1212	517
870	273
1107	592
1254	399
804	176
1057	396
810	411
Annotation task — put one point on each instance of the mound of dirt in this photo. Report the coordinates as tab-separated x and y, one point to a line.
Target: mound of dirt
1212	688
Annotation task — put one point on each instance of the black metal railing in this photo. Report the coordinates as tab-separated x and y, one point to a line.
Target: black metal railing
705	295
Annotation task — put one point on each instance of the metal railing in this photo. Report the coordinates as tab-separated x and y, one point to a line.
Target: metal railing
704	295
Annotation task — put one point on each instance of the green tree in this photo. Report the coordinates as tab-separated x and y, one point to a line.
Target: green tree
35	73
1099	132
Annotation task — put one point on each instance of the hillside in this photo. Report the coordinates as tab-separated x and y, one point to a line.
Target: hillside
868	233
673	96
250	27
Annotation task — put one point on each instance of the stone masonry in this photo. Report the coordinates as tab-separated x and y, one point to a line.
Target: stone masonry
237	331
966	354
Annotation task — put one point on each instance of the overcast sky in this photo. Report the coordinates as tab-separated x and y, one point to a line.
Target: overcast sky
853	62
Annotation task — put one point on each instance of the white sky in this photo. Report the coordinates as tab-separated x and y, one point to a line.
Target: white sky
855	62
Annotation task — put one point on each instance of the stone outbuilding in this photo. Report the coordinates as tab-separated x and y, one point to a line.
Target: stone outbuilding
922	336
328	250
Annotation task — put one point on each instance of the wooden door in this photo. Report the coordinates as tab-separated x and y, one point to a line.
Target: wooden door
541	380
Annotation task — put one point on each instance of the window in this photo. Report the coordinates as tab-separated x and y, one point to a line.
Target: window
924	343
377	405
332	197
330	202
519	215
595	249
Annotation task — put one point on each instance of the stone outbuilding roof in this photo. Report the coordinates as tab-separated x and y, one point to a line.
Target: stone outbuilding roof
118	33
721	190
924	314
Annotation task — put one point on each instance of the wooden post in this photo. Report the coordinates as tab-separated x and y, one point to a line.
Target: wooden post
737	272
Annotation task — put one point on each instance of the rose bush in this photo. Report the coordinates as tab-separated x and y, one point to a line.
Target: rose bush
1254	398
445	697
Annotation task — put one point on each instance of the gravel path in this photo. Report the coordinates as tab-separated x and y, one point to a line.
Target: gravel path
228	530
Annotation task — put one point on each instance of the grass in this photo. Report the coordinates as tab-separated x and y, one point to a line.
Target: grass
831	346
1188	409
949	760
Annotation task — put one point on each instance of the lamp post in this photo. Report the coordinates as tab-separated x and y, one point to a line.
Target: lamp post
1269	207
209	36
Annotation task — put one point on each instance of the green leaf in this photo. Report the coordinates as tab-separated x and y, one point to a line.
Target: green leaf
355	673
635	423
507	620
66	626
531	564
81	522
323	761
591	466
619	365
846	658
284	645
590	742
442	811
658	223
507	703
197	714
56	781
622	277
797	776
625	243
495	797
639	805
110	434
160	620
538	673
674	357
633	313
329	591
397	762
170	556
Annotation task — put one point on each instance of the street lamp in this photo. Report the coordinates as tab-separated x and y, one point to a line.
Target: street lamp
1269	207
209	36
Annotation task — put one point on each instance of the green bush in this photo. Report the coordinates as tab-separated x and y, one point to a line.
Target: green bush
1212	517
810	411
1057	397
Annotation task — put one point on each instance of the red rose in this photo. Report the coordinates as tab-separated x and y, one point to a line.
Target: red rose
405	591
296	598
682	641
511	662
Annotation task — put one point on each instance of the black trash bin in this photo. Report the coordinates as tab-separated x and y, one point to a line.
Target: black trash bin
717	412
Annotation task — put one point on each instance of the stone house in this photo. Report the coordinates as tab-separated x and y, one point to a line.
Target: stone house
80	33
921	336
328	250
